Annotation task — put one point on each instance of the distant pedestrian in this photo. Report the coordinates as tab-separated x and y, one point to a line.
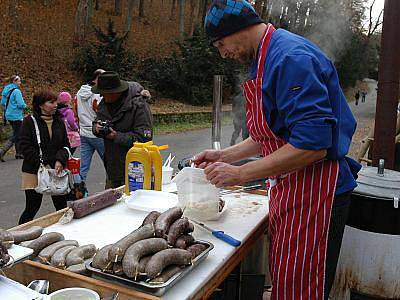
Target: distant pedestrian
363	96
53	136
364	89
357	96
68	117
13	105
86	106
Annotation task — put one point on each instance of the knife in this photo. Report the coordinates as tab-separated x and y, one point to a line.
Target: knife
243	189
219	234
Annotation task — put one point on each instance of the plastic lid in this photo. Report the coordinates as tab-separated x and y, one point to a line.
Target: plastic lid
372	184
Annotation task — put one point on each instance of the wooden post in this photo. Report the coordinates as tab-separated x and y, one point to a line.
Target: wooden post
388	86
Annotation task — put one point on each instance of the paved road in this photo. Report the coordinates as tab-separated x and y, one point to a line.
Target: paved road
367	109
12	199
365	116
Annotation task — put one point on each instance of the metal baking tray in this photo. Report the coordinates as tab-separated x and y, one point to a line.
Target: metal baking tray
154	289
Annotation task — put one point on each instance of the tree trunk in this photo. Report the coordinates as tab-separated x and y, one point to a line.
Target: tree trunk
82	20
173	9
265	11
181	19
258	6
89	15
118	7
129	16
204	10
292	15
141	9
13	15
192	18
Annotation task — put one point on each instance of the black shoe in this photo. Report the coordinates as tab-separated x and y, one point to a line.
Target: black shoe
19	156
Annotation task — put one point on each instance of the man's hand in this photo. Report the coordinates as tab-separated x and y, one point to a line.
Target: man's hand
206	158
145	93
111	135
58	167
97	127
222	174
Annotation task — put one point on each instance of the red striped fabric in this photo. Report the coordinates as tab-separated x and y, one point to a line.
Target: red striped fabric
299	207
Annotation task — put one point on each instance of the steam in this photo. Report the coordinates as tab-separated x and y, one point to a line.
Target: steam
324	22
330	28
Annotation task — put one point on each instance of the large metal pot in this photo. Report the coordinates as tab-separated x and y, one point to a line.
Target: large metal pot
369	261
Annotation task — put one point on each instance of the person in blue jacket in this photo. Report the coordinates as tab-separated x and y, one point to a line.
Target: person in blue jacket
301	124
13	105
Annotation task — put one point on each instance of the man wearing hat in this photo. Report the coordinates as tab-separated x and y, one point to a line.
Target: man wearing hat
300	123
123	117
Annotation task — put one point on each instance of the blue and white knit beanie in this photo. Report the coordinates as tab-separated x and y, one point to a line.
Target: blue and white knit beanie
226	17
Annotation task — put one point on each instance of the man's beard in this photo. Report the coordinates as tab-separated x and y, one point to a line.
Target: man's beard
245	58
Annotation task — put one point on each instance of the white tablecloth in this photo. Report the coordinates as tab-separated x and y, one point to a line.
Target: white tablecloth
242	215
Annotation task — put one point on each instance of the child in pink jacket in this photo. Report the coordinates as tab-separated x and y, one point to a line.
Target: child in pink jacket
67	114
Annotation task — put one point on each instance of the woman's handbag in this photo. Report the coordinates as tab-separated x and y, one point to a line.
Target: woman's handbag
50	183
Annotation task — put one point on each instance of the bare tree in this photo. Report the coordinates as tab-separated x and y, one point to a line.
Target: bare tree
203	10
117	7
141	8
181	18
173	9
193	20
83	20
13	15
258	6
373	25
265	10
129	15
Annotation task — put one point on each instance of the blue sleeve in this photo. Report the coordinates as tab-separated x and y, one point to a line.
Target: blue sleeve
303	103
19	99
3	100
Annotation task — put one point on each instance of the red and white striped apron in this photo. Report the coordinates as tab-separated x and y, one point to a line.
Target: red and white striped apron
300	205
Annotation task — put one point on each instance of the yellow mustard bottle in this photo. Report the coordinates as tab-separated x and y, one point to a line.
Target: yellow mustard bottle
156	161
138	168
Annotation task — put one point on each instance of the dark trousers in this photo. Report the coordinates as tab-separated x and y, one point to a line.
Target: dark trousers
112	184
33	202
16	126
340	211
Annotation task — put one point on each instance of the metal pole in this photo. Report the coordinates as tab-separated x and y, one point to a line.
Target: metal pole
388	86
217	108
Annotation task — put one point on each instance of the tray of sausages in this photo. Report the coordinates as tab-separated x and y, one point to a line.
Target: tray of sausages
153	257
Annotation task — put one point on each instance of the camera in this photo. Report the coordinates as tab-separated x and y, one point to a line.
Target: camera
105	128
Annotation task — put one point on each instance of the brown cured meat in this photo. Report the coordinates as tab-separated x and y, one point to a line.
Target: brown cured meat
91	204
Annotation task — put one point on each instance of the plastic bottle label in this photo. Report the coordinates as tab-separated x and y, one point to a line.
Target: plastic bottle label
135	176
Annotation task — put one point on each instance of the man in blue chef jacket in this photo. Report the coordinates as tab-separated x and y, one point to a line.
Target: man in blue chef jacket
299	121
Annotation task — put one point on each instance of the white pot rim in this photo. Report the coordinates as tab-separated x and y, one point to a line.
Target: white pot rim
89	291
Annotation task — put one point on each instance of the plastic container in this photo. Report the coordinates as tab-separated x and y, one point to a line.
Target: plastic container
148	201
138	168
196	195
156	161
167	175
